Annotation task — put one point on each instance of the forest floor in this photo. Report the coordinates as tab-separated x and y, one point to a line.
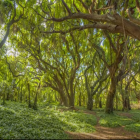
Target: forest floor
106	132
51	121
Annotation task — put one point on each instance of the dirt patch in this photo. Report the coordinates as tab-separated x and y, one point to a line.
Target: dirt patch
105	133
67	109
135	106
124	114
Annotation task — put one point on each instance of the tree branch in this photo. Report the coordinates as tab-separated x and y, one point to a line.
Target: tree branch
69	11
84	5
138	5
137	21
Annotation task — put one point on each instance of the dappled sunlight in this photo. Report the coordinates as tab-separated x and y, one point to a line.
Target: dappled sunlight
69	69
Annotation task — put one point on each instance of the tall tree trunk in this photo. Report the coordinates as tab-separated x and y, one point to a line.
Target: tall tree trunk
21	95
71	101
80	99
7	98
3	103
35	101
72	94
126	102
18	95
83	100
100	102
116	102
110	96
90	102
29	103
36	97
63	97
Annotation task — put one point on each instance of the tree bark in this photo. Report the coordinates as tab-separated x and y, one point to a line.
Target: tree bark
110	96
126	102
63	98
90	103
71	101
84	100
35	102
72	93
100	102
21	95
29	103
80	99
3	103
7	98
116	102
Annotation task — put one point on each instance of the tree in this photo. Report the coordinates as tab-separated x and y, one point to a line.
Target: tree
9	11
99	70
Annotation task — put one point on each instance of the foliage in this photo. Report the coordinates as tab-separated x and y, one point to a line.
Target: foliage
135	127
114	120
18	121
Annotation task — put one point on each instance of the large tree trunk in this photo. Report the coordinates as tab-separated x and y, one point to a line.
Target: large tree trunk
21	95
80	99
84	100
71	101
36	97
116	102
35	101
110	96
126	103
90	102
3	103
63	99
72	94
29	103
7	98
100	102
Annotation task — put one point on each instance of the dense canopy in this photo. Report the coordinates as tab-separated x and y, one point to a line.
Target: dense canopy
75	52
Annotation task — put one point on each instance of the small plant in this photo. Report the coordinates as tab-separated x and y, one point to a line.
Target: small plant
19	121
114	120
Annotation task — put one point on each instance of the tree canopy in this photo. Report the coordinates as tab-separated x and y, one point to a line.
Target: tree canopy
75	52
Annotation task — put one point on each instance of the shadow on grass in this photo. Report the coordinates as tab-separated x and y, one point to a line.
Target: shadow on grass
19	122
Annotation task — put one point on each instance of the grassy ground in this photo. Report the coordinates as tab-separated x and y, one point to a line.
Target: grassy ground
17	121
130	120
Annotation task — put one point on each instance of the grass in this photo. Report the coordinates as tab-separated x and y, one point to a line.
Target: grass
17	121
135	127
115	120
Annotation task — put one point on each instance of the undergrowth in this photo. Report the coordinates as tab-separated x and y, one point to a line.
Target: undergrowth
114	120
17	121
135	127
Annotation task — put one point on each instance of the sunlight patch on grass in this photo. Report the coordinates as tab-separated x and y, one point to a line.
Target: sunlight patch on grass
133	127
114	120
17	121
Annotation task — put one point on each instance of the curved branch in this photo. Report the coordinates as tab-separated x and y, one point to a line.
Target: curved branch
137	21
138	5
9	25
109	27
